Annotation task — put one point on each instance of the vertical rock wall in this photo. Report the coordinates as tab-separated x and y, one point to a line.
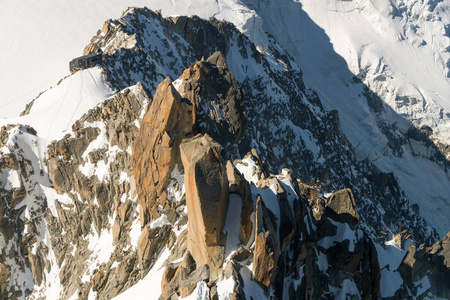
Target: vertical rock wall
156	149
206	198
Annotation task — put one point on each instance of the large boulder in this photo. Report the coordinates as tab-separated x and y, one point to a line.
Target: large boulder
341	207
206	199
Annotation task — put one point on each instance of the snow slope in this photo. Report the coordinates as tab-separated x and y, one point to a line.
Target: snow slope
376	42
37	41
347	50
57	109
403	59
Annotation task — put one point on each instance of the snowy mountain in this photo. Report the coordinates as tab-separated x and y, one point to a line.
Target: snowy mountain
135	182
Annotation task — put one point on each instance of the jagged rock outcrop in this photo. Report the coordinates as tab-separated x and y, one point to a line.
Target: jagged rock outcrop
293	245
156	149
218	102
427	270
16	184
181	278
290	127
267	247
206	199
341	207
150	243
92	189
237	184
212	103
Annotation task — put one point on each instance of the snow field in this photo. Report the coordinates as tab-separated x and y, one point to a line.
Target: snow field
55	111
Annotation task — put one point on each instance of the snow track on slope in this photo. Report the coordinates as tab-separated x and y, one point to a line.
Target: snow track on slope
57	109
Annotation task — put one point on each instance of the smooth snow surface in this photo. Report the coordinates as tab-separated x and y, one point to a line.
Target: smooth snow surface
390	283
57	109
226	287
232	224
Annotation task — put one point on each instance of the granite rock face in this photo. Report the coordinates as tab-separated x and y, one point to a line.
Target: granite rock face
267	248
169	186
167	122
206	200
342	208
218	101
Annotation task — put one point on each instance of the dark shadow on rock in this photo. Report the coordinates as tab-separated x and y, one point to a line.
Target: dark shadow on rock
319	48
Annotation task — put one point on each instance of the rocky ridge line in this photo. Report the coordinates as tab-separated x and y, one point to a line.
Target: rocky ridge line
288	225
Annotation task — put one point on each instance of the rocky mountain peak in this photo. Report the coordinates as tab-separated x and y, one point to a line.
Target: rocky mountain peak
218	101
231	181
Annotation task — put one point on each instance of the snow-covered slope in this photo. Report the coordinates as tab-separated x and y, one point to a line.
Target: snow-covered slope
381	64
398	49
37	41
337	44
312	61
55	111
37	46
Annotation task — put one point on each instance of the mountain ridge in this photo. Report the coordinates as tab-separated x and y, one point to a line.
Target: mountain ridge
92	195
